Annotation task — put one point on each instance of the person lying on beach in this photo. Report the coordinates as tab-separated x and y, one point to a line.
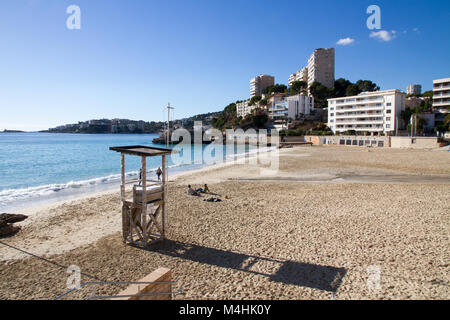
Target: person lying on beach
192	192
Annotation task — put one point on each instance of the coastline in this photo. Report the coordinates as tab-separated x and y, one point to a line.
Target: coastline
305	216
31	205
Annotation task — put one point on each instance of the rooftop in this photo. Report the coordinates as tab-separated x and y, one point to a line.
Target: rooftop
441	80
142	150
370	93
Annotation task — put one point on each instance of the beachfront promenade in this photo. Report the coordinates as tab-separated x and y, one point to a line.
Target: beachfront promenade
316	230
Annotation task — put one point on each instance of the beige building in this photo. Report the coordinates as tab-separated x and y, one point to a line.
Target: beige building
414	89
441	95
243	109
321	67
259	83
374	112
300	75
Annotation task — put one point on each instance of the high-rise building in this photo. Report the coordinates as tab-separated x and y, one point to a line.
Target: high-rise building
300	75
259	83
373	112
414	89
321	67
441	95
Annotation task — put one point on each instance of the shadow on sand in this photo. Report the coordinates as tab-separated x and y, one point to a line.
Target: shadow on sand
301	274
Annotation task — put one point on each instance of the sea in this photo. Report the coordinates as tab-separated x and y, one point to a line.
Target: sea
36	168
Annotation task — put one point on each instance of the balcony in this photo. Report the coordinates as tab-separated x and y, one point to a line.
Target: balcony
356	122
441	95
364	108
361	114
441	102
441	87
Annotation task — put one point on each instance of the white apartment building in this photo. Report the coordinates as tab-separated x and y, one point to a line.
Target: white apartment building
259	83
414	89
321	67
373	112
441	95
290	108
243	109
300	75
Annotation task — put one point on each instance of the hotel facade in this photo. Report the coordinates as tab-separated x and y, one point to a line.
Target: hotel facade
259	83
441	95
300	75
321	67
374	112
243	109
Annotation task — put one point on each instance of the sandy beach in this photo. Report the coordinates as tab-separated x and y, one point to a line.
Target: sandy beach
309	232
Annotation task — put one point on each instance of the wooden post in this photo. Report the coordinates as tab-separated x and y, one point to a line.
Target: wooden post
144	200
163	217
122	187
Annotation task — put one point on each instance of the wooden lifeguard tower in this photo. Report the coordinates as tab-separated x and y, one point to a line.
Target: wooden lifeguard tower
143	215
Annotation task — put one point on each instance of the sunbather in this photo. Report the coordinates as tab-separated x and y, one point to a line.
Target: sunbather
203	190
192	192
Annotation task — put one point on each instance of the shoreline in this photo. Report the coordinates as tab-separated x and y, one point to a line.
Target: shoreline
47	204
265	236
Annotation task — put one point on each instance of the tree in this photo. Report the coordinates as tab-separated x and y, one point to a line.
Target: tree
345	88
226	118
340	87
320	94
421	124
260	119
367	86
298	87
263	102
254	100
352	90
277	88
428	94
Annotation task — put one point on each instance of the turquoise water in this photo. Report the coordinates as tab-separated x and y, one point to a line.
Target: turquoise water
42	166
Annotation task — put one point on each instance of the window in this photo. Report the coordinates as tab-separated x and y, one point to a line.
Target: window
349	142
388	119
381	144
388	126
331	114
355	142
388	111
342	141
361	143
388	104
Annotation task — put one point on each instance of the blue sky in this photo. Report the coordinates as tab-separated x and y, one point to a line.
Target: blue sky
132	57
